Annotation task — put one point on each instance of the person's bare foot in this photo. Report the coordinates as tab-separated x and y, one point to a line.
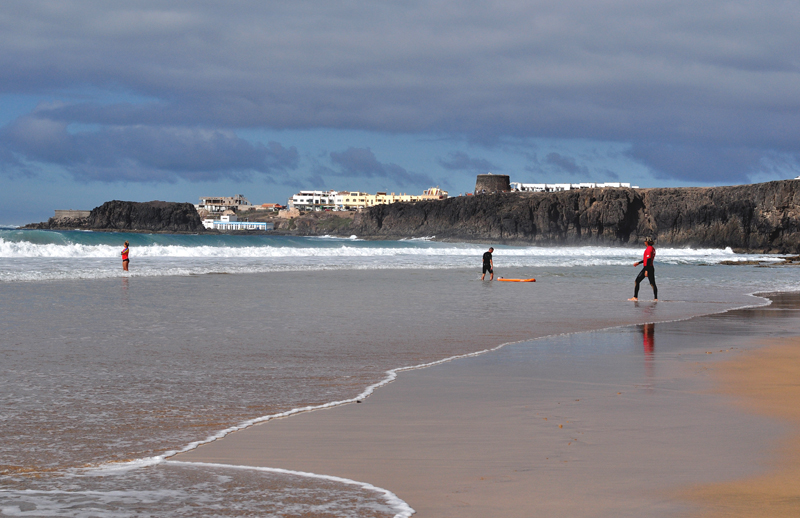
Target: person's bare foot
655	300
634	299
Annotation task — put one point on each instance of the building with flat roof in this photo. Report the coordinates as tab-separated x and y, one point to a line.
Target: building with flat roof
556	187
356	200
222	203
230	222
314	200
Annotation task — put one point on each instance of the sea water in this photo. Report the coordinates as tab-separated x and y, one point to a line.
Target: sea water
35	255
106	374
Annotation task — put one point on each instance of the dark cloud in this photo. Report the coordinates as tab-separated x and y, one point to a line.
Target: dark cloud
608	174
559	164
684	76
695	163
566	164
460	161
141	153
361	162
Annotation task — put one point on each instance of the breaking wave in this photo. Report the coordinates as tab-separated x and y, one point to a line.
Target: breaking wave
36	255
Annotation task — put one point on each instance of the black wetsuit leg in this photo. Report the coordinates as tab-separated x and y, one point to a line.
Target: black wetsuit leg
639	278
651	276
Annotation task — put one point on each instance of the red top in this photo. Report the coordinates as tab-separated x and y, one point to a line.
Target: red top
649	255
125	254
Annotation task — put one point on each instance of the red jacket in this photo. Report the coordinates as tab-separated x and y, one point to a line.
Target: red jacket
649	255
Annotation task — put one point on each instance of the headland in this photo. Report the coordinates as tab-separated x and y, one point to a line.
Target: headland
762	218
128	216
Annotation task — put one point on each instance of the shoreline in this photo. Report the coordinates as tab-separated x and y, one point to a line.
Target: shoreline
237	447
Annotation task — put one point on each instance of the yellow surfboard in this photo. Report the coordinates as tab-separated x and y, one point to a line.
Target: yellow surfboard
516	280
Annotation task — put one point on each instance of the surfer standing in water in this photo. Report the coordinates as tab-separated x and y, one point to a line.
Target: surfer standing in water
125	259
488	264
647	271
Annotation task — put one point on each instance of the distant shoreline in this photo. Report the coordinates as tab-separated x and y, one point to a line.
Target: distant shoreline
757	218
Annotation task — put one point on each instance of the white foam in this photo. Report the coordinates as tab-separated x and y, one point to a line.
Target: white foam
403	509
418	247
28	261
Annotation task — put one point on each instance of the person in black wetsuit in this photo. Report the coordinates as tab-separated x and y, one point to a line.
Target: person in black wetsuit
647	271
488	264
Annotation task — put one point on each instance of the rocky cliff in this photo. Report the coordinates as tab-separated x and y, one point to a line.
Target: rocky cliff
152	216
760	217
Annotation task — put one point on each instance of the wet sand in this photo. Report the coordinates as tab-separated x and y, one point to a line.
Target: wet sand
609	423
765	382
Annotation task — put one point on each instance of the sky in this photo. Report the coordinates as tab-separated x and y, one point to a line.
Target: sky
145	100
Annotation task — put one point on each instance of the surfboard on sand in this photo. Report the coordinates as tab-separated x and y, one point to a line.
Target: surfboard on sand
516	280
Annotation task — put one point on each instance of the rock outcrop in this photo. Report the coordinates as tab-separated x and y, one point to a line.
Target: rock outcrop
758	218
152	216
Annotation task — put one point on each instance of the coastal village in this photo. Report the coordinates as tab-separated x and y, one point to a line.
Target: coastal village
308	212
228	213
223	213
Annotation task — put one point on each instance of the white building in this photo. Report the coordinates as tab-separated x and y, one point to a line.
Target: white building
556	187
316	200
356	200
229	222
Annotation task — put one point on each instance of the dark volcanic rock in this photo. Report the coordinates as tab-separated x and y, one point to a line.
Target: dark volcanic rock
152	216
761	217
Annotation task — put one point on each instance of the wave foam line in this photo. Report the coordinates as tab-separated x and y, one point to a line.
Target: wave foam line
403	509
27	249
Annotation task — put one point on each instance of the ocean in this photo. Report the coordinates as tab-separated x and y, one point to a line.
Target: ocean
105	375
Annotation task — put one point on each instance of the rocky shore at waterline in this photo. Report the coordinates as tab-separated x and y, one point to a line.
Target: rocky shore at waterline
761	217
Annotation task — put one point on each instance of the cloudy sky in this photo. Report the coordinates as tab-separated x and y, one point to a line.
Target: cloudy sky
145	100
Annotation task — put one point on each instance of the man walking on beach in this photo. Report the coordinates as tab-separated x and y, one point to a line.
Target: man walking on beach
488	265
647	271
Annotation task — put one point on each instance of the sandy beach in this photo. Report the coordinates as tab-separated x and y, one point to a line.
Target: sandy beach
764	382
644	419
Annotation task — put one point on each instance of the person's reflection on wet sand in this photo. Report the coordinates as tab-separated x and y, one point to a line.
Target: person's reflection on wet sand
649	341
124	297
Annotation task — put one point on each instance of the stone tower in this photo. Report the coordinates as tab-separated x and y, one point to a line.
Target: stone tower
492	183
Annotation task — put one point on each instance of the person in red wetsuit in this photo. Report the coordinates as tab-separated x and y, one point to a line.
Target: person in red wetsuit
125	260
647	271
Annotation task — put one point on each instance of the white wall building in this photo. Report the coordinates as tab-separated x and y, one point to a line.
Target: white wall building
313	200
556	187
355	200
230	222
